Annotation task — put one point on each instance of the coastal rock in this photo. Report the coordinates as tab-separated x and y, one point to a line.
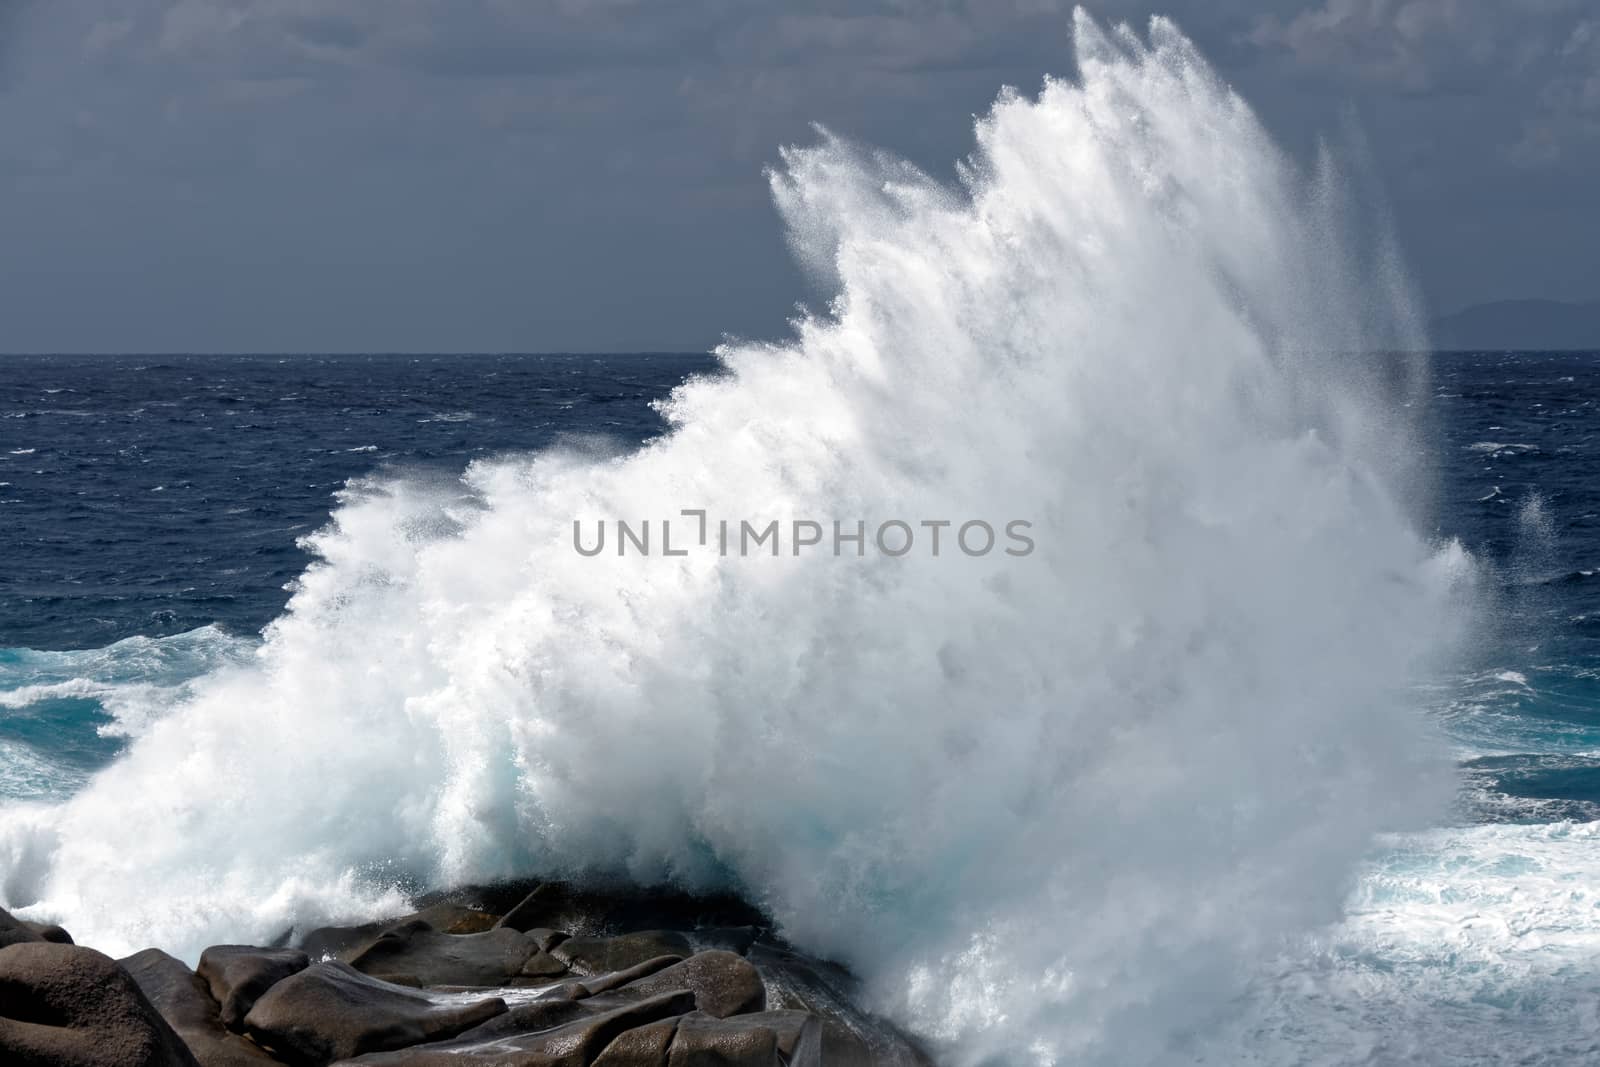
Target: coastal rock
602	983
331	1011
643	1046
736	939
850	1036
491	958
239	974
450	918
14	931
626	909
637	979
494	899
574	1044
541	966
50	932
340	942
347	942
531	1017
184	1000
545	937
548	905
765	1039
65	1006
723	984
597	955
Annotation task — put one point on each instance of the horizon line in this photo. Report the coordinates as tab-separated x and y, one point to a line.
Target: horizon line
310	353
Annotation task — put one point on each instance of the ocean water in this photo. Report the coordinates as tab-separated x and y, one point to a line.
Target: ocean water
1281	748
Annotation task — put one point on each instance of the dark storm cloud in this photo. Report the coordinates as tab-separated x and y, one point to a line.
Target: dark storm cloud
1538	56
587	173
11	12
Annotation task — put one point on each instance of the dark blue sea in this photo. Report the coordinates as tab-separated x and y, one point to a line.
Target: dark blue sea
154	507
154	513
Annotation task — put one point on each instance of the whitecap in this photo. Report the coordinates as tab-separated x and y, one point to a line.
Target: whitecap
1060	807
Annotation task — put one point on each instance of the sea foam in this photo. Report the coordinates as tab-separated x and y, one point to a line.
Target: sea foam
1053	808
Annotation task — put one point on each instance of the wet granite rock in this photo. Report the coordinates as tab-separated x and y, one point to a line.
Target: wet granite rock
541	967
573	1044
622	978
340	942
626	909
764	1039
239	974
850	1036
549	905
735	939
602	983
598	955
184	1000
491	958
65	1006
14	931
347	942
545	937
448	918
532	1017
723	984
494	899
331	1011
50	932
643	1046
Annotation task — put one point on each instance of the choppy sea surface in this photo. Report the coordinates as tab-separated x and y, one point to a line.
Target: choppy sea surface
151	511
153	507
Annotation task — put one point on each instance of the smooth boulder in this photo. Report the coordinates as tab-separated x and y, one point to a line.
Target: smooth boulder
56	935
491	958
239	974
765	1039
723	984
184	1000
624	909
575	1044
736	939
13	931
643	1046
66	1006
604	983
331	1011
347	942
549	905
340	942
456	919
850	1036
599	955
542	967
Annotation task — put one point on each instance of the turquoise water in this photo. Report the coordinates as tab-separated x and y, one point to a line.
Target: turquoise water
155	511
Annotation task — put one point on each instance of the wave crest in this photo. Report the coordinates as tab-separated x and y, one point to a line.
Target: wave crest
1052	807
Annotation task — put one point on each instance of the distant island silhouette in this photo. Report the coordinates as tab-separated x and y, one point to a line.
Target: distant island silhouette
1521	324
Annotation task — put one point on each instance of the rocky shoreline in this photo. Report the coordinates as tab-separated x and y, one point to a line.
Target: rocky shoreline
530	975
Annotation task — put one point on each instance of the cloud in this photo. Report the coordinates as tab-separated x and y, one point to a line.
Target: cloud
11	16
391	78
1568	106
1531	68
493	126
1418	46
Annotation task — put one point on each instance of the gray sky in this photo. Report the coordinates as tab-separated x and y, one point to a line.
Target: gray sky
451	175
